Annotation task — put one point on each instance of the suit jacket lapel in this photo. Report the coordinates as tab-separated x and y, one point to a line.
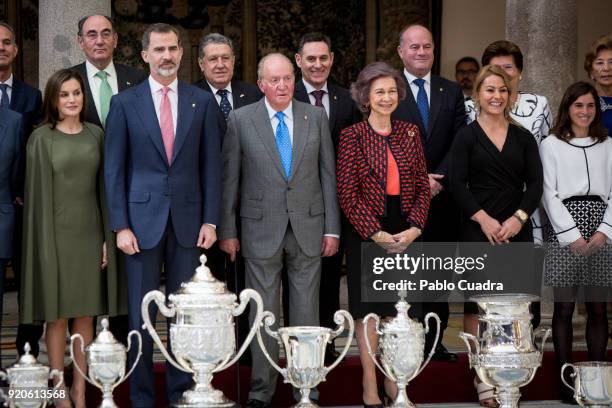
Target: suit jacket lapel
262	125
300	92
238	95
146	111
91	105
333	106
300	135
413	112
186	108
17	99
435	100
123	82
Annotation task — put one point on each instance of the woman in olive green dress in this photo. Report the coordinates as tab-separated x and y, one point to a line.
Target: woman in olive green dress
67	274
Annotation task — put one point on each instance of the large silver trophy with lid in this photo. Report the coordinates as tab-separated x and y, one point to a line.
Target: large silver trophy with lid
592	383
106	361
401	344
504	354
28	383
305	352
202	332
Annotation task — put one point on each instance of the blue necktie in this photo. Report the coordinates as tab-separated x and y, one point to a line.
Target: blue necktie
283	143
4	100
225	105
422	102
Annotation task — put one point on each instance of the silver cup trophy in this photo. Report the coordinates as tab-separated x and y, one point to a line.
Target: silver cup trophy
504	355
305	352
592	383
401	345
202	332
106	359
28	383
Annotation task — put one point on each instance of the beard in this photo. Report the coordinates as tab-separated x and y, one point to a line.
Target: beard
167	72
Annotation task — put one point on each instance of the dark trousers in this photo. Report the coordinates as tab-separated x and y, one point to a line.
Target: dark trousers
26	333
3	262
143	271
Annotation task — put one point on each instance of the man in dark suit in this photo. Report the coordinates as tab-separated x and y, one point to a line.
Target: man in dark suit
22	98
163	183
315	60
11	155
103	78
436	105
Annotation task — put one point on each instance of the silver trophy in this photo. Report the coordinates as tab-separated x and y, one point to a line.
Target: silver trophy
106	361
401	345
28	378
592	383
305	352
202	332
504	355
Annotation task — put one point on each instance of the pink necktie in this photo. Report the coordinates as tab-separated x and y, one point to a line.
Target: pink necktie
166	123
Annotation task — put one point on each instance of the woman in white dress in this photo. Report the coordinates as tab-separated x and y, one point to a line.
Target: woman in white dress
577	163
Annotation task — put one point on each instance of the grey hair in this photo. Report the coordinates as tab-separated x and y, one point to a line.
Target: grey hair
11	30
406	27
213	38
266	57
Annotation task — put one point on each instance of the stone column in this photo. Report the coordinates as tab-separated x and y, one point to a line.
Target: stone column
57	30
249	41
546	31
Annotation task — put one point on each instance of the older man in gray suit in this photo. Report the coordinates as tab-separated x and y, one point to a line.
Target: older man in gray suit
278	154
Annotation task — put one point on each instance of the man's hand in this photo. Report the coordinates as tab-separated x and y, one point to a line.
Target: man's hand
207	236
434	185
18	201
329	246
127	242
230	246
104	257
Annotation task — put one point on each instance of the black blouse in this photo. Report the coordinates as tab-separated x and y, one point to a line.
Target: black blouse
498	182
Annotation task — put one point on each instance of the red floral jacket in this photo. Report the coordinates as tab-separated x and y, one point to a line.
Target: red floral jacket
361	172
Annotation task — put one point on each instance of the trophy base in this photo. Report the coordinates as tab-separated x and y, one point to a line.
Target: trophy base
309	404
207	399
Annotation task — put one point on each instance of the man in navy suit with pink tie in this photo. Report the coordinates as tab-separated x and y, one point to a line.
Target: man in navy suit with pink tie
163	181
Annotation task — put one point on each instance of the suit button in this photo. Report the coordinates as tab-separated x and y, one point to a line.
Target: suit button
289	188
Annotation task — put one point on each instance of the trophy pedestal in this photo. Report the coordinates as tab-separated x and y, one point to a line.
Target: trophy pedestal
204	399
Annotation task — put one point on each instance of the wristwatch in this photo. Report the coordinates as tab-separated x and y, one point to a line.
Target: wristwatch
521	216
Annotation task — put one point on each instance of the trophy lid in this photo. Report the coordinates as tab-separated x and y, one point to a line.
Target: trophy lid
27	361
204	283
105	340
402	321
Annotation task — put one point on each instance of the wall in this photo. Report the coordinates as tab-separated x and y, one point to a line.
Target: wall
470	25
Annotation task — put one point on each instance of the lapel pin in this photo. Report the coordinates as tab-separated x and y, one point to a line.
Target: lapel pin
335	98
242	95
193	105
128	83
441	89
305	117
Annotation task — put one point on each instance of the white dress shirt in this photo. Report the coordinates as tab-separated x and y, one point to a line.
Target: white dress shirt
9	90
94	81
156	93
228	88
415	89
288	119
578	168
325	100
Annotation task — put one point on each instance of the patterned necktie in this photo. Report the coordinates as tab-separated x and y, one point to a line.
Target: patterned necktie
166	123
105	95
318	95
422	103
283	143
225	104
4	100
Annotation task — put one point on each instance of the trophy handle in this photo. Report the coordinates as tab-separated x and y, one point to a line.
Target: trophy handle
433	346
245	296
566	365
60	375
341	317
369	347
3	397
160	300
73	339
544	332
466	337
267	321
129	346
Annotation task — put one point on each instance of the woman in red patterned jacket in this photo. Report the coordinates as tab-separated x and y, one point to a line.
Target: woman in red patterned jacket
384	193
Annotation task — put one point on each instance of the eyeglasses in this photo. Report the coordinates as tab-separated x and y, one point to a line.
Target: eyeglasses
93	35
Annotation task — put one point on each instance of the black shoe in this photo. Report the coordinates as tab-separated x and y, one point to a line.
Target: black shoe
372	405
331	355
253	403
442	354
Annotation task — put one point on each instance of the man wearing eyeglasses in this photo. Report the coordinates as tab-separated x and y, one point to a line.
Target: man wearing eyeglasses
103	78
